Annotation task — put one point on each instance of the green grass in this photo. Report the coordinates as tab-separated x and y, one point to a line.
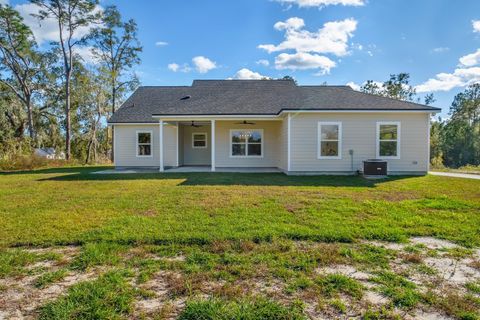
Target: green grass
71	206
109	297
334	284
402	292
101	253
49	278
252	308
14	261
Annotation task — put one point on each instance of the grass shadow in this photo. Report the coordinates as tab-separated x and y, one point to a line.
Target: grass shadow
222	179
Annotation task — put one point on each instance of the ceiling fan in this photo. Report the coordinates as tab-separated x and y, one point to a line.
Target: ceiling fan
245	122
195	125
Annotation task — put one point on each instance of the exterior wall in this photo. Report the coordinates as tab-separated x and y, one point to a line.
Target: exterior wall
197	156
125	146
359	135
271	144
283	144
169	145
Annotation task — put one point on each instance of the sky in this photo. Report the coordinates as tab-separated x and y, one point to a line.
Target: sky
316	41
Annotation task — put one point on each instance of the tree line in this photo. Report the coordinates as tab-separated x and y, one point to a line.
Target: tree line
454	142
50	96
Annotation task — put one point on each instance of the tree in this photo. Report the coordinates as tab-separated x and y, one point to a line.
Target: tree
397	87
70	16
117	49
20	63
289	78
461	134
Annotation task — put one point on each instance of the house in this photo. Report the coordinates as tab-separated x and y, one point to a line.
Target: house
48	153
223	125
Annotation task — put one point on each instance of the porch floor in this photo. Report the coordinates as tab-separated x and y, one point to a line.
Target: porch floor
217	169
185	169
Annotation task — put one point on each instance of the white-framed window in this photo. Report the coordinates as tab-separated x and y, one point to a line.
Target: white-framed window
144	143
388	140
199	140
246	143
329	140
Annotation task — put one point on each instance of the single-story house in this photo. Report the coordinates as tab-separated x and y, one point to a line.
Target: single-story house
276	124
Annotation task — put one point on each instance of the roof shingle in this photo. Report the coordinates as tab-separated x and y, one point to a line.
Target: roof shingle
249	97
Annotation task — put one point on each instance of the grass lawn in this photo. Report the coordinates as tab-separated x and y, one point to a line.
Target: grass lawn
71	206
227	246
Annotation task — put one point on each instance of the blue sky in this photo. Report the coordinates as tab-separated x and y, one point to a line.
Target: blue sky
315	41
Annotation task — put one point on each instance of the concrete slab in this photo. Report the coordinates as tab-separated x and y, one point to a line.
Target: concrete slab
455	175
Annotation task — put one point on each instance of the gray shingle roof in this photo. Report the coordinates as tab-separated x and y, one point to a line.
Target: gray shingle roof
248	97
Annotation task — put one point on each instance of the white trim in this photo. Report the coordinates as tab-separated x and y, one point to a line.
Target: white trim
133	124
428	142
208	117
137	144
160	134
193	140
319	140
176	145
212	126
357	111
377	139
114	145
288	141
246	144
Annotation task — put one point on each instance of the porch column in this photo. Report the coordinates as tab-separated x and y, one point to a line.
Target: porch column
213	144
161	144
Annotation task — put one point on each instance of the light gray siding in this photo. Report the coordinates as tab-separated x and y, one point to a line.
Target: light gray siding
125	146
359	135
196	156
271	144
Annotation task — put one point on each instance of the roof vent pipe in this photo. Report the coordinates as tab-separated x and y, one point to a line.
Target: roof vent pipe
185	98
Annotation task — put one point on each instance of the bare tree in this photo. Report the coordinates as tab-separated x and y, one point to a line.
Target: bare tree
71	16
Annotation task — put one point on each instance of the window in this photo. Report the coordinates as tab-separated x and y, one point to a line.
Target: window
329	140
199	140
246	143
144	143
388	140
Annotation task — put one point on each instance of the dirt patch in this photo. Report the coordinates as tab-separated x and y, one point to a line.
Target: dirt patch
433	243
455	272
21	299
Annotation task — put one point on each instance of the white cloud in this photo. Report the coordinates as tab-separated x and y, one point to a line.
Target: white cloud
353	85
263	62
246	74
161	43
304	61
476	25
173	67
323	3
203	64
332	38
4	2
461	77
47	30
440	49
294	23
86	54
471	59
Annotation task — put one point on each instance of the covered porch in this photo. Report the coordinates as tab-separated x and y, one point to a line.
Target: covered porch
196	144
